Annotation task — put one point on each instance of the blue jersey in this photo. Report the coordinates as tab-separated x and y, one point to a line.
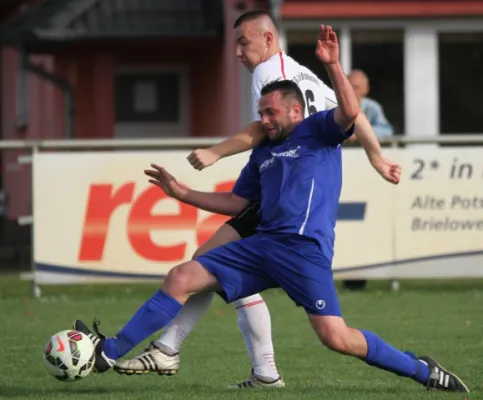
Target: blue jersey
298	181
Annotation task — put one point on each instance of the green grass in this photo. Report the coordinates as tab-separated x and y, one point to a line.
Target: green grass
444	319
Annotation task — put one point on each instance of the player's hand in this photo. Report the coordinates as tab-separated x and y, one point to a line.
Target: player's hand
163	179
327	50
202	158
388	169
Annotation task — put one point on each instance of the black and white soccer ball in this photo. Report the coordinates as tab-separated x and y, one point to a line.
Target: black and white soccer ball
69	356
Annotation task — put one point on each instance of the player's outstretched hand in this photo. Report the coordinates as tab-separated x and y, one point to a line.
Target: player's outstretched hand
202	158
388	169
163	179
327	50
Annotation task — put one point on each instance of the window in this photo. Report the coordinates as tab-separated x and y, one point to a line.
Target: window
301	47
147	98
379	53
150	102
460	82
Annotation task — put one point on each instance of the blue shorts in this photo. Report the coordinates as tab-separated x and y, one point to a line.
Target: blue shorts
263	261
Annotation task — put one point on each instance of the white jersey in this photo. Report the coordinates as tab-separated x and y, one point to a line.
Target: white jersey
318	96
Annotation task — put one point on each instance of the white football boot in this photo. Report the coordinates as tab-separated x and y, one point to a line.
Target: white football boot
151	359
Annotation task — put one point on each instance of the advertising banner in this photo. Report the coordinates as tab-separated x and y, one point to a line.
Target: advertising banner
96	217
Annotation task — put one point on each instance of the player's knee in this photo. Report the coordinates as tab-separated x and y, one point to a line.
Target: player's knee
171	279
177	281
187	279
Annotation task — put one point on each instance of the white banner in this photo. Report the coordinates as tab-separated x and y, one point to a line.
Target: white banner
97	218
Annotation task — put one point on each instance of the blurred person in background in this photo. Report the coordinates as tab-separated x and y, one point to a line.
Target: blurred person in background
373	110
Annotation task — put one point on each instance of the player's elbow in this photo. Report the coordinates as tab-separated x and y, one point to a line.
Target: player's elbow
351	114
346	117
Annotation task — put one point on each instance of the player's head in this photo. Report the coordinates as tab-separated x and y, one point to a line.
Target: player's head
256	38
360	82
281	108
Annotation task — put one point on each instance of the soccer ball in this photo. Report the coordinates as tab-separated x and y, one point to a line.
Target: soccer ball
69	356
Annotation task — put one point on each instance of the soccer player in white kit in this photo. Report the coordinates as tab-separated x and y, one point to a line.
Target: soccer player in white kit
259	51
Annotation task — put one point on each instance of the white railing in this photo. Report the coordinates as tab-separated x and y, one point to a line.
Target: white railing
196	142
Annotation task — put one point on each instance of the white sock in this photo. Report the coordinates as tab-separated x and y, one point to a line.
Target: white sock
177	330
255	325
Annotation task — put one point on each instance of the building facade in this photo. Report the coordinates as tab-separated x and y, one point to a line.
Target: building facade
424	58
110	69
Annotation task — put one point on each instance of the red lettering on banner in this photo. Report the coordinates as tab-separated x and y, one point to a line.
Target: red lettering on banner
103	200
141	222
100	206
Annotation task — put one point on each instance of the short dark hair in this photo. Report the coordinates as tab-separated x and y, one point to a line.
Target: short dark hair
287	88
250	16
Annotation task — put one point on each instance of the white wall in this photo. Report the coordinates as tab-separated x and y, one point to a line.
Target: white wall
421	83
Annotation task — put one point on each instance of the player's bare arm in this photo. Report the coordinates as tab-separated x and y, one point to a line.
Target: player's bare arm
327	51
225	203
248	138
348	110
364	133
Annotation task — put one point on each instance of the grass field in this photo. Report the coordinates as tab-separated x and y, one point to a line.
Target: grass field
444	319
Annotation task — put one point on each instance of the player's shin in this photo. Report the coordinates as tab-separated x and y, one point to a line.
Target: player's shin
153	315
162	308
255	325
382	355
174	334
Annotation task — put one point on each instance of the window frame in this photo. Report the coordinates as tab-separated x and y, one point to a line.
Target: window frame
158	129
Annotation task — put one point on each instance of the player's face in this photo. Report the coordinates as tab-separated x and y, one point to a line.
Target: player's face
278	116
251	45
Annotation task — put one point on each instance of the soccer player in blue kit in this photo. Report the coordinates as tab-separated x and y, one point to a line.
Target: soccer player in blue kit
297	177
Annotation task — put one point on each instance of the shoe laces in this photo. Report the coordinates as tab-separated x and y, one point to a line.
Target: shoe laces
150	347
95	326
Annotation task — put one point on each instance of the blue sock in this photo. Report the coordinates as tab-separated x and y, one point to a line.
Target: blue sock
153	315
384	356
422	370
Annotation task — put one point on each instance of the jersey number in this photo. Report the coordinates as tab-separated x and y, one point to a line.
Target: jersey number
309	99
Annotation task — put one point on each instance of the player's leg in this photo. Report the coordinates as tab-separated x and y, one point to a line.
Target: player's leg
158	311
162	356
254	319
307	278
228	268
373	350
174	334
332	330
